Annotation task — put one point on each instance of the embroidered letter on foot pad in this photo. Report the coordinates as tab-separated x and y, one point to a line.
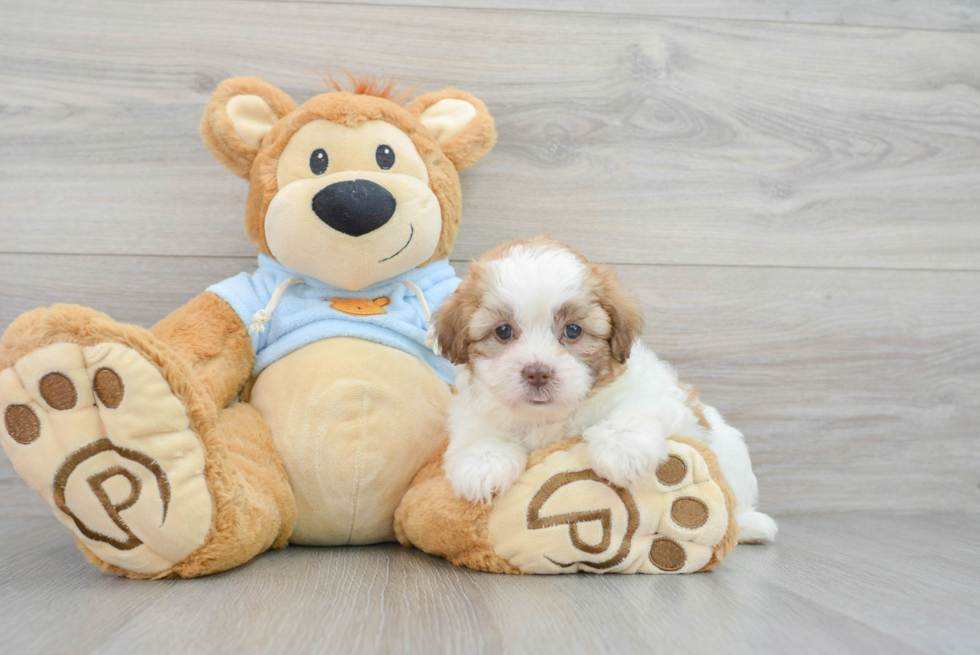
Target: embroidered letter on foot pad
562	517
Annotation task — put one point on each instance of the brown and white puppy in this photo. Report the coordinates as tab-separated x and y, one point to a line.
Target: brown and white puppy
547	348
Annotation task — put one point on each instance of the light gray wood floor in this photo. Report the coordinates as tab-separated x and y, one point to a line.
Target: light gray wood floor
838	584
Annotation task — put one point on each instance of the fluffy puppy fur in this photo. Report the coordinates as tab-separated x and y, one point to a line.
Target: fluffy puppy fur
547	347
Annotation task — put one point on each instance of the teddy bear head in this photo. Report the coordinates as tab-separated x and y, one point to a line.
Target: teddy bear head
348	188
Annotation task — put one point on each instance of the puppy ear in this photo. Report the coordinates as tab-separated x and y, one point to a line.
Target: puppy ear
458	122
624	315
452	321
241	112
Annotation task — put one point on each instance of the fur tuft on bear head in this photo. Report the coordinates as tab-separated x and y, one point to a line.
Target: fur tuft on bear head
348	188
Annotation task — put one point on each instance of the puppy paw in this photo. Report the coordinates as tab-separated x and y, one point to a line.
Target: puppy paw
625	453
483	470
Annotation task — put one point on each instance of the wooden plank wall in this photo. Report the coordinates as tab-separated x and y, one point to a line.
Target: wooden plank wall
791	188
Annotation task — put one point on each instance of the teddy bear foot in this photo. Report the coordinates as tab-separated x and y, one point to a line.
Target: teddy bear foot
562	517
97	432
112	428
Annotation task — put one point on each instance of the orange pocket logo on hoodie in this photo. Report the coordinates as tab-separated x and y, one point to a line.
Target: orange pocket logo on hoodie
359	306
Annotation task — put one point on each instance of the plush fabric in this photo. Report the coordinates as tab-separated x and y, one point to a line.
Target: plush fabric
321	167
431	518
306	313
463	147
252	507
352	436
207	334
560	517
352	110
218	128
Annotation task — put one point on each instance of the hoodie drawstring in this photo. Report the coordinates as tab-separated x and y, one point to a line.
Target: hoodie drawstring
261	317
430	333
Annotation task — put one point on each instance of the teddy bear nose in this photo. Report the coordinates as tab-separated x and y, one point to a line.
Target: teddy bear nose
354	207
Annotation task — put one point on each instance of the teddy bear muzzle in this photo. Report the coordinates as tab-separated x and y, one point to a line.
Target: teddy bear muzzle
354	207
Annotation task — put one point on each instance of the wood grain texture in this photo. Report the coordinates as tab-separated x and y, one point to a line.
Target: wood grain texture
856	389
960	15
796	206
852	387
847	584
687	141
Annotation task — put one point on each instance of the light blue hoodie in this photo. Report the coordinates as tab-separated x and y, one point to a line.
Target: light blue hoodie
305	313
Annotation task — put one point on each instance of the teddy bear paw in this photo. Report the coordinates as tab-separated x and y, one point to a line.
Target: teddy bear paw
562	516
98	433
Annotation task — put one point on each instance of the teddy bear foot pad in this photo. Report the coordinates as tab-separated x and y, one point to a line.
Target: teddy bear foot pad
97	432
562	517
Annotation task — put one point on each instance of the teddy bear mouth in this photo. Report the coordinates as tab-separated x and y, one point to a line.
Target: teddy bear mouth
400	250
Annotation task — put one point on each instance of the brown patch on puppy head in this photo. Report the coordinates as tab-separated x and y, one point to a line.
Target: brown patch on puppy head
593	347
452	319
624	315
605	368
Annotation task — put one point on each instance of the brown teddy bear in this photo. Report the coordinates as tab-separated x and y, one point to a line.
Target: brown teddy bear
296	404
134	436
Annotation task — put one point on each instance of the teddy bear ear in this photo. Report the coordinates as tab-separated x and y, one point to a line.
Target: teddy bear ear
459	122
241	112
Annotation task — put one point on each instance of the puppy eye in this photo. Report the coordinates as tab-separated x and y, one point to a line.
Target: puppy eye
504	332
572	331
318	161
385	157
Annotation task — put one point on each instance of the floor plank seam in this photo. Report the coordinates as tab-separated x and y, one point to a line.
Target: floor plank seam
886	269
627	15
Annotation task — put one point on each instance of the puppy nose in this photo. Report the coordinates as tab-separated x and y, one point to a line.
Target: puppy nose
537	374
354	207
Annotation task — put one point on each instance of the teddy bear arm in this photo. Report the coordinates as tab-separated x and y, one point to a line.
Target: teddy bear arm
208	335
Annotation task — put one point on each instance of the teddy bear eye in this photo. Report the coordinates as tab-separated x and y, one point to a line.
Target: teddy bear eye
385	156
319	161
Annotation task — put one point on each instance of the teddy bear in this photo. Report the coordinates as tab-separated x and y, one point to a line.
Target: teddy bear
291	405
305	402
